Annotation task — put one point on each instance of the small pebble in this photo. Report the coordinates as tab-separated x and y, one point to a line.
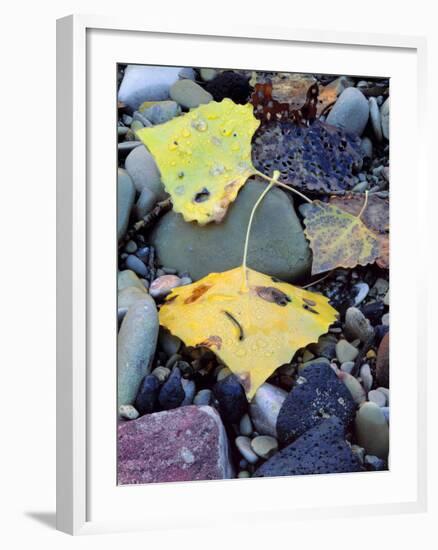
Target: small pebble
243	474
173	359
245	426
243	444
354	387
185	281
385	411
143	253
136	265
264	446
375	463
223	373
128	412
385	319
366	377
385	391
161	286
377	397
362	290
357	325
348	366
359	452
131	247
345	351
161	373
203	397
189	390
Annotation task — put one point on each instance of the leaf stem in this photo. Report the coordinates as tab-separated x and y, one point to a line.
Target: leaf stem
282	185
273	181
364	205
319	280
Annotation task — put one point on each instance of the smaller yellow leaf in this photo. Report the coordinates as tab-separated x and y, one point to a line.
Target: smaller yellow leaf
338	239
204	157
254	328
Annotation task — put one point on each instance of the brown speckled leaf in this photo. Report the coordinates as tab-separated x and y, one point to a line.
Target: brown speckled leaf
375	217
338	239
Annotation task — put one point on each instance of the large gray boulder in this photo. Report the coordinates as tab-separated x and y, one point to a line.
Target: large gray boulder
277	243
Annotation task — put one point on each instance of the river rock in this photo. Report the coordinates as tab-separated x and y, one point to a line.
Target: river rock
185	444
147	397
145	203
125	200
243	445
345	351
169	343
162	112
135	264
128	278
277	244
161	286
172	393
264	408
377	397
148	83
321	450
372	430
189	94
354	387
129	296
384	116
203	397
357	325
350	112
232	402
318	395
137	340
375	118
141	166
264	446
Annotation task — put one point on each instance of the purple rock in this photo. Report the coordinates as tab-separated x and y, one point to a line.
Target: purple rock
184	444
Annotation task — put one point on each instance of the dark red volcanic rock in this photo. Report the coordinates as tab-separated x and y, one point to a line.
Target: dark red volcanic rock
184	444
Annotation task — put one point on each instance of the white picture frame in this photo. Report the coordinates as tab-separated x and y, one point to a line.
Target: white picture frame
88	500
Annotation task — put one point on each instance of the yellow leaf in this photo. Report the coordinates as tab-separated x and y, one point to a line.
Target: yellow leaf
338	239
204	157
253	327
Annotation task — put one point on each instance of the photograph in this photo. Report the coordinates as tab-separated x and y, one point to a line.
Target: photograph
252	273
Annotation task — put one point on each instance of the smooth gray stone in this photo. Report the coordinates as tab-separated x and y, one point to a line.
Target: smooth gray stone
128	278
350	112
145	203
125	200
277	243
162	112
137	340
189	94
141	166
136	265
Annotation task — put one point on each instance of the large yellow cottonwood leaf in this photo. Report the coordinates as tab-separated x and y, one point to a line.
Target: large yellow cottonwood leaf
204	157
253	328
338	239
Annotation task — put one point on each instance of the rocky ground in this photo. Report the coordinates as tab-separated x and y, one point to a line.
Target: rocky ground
182	414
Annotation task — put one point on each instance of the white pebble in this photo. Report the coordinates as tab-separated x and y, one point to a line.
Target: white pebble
243	444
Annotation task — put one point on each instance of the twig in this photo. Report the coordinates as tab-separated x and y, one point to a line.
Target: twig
159	209
319	280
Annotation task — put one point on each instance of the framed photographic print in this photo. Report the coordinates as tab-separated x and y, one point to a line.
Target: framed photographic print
231	259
